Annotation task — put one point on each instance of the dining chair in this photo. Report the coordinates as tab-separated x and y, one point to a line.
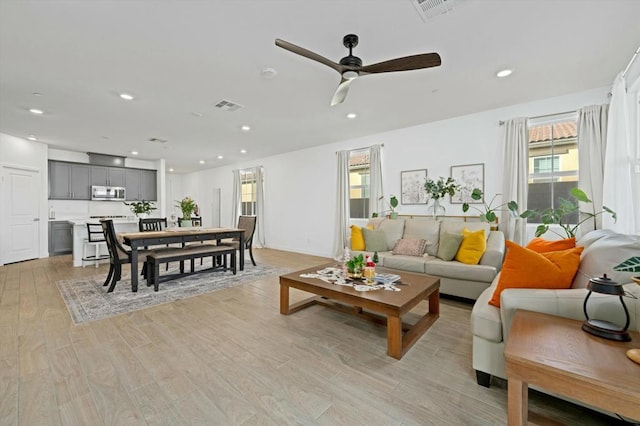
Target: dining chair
150	224
248	223
118	255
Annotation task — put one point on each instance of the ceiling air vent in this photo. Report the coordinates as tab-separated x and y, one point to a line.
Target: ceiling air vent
157	140
228	106
428	9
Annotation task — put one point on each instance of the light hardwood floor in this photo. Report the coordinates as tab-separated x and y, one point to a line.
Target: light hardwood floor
229	357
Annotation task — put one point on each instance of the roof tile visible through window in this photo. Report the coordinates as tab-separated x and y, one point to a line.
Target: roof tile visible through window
564	130
358	159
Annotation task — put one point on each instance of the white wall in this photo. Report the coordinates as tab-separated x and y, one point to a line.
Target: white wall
300	185
20	152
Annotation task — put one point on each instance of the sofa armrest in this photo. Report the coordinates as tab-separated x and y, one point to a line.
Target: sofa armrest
569	304
494	255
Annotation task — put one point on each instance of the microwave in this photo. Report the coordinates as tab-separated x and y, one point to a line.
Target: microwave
107	193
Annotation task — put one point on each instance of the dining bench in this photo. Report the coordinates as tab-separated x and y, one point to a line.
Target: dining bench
180	254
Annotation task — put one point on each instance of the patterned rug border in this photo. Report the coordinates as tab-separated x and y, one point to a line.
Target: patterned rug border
87	300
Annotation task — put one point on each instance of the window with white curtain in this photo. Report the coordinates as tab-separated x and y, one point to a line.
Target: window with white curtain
249	195
553	161
359	184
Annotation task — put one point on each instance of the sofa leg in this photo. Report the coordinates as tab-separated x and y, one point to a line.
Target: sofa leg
484	379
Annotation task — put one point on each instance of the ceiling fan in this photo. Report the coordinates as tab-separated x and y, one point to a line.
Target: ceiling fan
350	67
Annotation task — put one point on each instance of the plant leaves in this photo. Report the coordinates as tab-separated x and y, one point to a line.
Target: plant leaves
580	195
513	206
490	216
465	207
476	194
541	229
630	265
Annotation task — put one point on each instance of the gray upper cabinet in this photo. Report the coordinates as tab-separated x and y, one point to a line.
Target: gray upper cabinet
107	176
72	181
69	181
141	184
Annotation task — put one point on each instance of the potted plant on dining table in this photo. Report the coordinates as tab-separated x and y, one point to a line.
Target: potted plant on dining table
187	205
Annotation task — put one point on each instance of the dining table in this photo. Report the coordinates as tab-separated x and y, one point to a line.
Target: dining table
137	240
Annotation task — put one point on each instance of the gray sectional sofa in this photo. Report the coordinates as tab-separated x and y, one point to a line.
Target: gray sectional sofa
456	279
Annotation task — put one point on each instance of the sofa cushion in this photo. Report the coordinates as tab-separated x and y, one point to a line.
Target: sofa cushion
374	240
357	239
393	230
541	245
460	271
472	246
456	227
426	229
604	249
405	263
524	268
485	318
449	245
410	246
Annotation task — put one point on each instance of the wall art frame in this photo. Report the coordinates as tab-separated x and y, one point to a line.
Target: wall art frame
468	176
412	186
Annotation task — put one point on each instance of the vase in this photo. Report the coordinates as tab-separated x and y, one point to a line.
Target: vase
142	215
186	222
436	209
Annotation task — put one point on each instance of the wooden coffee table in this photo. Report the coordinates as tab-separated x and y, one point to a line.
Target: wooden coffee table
555	354
392	305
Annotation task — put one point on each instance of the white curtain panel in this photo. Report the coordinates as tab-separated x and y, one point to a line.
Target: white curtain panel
236	198
515	145
592	138
375	179
617	188
259	232
342	204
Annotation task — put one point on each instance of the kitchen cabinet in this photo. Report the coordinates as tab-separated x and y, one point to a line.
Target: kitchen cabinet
107	176
69	181
60	238
141	185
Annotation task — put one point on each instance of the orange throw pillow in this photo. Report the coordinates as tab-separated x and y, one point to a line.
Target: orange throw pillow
524	268
540	245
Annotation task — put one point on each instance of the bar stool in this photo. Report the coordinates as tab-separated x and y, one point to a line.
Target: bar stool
95	239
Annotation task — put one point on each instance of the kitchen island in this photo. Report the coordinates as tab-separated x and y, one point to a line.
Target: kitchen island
126	224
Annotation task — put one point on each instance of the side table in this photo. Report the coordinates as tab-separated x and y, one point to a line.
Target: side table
554	353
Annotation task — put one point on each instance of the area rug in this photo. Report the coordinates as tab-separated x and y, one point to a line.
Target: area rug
87	300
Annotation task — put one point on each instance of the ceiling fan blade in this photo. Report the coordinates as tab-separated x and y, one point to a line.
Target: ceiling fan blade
407	63
341	91
309	54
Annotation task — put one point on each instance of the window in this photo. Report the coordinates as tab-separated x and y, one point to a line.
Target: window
359	184
249	198
553	161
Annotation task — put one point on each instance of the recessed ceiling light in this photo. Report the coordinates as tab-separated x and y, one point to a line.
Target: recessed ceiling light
170	170
134	152
126	96
504	73
37	94
32	138
36	111
352	115
243	151
201	161
196	114
246	128
220	157
269	73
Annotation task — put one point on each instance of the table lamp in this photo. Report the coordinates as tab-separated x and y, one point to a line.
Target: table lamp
601	328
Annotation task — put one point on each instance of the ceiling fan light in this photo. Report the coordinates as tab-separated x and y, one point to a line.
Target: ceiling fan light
504	73
350	75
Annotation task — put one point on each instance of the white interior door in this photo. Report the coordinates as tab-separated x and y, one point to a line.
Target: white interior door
215	208
20	195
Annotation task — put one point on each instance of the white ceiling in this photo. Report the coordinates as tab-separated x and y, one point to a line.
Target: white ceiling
181	57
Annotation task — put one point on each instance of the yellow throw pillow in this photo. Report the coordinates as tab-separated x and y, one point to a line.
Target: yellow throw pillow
357	238
472	247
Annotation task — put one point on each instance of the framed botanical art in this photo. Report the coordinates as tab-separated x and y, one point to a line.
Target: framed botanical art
468	176
412	189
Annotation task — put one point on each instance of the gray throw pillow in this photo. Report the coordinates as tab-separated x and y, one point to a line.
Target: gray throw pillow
374	240
449	245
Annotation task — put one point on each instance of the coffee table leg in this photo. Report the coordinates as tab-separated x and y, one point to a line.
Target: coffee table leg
517	402
434	302
394	337
284	299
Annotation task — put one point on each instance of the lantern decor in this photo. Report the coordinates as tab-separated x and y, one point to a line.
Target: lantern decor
601	328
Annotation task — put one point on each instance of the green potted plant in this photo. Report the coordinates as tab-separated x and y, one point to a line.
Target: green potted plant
187	205
438	189
140	208
559	216
488	213
355	265
392	203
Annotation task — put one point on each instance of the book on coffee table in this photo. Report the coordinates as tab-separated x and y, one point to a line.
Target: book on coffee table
386	278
